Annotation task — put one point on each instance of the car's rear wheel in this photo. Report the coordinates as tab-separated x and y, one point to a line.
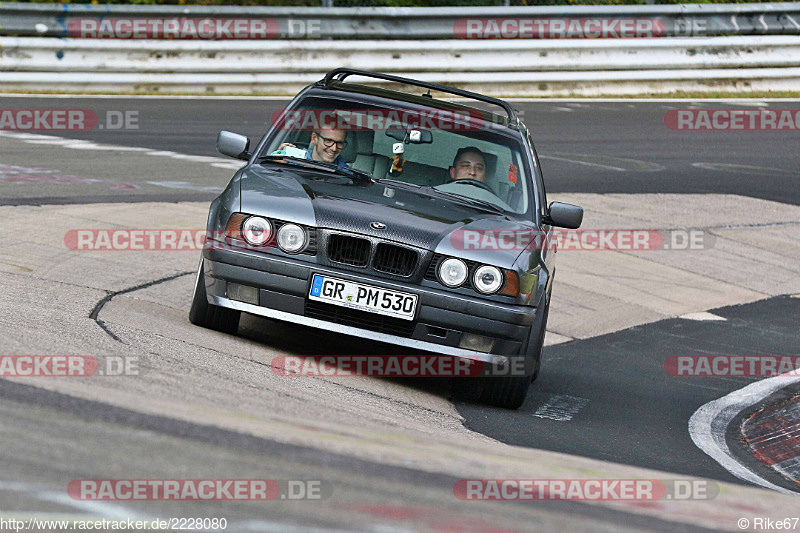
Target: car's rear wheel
208	315
508	392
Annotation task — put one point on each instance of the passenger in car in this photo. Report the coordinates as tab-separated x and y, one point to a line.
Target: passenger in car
326	146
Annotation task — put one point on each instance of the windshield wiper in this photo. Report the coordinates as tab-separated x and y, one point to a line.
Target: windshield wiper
474	202
389	181
487	206
356	175
428	189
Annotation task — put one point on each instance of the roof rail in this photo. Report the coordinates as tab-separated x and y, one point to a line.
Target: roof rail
341	73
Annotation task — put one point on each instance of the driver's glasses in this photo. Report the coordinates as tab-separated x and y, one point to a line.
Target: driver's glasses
330	142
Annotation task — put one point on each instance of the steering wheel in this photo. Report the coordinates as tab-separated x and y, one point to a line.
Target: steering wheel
476	183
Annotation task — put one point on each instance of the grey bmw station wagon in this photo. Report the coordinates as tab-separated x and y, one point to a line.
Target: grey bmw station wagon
396	216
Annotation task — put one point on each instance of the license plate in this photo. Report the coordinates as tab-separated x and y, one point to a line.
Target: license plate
363	297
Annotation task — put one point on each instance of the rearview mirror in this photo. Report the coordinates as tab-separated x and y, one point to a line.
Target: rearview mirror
411	136
233	145
564	215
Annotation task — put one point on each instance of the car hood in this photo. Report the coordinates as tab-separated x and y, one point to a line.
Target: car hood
414	218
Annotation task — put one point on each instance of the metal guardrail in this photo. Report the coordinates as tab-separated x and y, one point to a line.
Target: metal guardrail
503	68
518	84
26	54
686	50
683	20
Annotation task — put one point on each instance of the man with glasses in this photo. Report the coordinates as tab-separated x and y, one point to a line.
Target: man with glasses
326	146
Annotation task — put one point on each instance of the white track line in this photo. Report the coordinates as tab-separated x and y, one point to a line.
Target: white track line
708	424
77	144
702	316
111	511
561	407
580	162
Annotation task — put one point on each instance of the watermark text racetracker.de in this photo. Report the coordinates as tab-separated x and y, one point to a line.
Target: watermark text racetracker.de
199	489
97	240
582	239
559	28
376	119
192	28
67	366
461	239
637	490
393	366
733	119
760	366
67	120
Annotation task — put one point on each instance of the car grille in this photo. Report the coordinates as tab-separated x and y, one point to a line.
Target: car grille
395	260
430	274
360	252
360	319
348	250
311	247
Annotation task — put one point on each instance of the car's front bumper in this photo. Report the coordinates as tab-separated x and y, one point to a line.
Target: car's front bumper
442	318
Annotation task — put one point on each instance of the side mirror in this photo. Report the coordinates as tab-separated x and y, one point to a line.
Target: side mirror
233	145
564	215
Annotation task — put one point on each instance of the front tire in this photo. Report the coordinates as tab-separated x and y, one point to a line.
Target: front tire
508	392
208	315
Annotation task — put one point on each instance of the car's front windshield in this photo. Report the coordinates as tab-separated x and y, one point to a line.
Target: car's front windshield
457	154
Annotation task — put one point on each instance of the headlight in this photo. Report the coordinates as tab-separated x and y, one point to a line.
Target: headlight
453	272
487	279
291	238
257	230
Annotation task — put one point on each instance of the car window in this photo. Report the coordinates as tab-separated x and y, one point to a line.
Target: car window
371	133
541	192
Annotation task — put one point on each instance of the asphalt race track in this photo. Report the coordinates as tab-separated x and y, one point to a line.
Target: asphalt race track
634	408
210	406
598	147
